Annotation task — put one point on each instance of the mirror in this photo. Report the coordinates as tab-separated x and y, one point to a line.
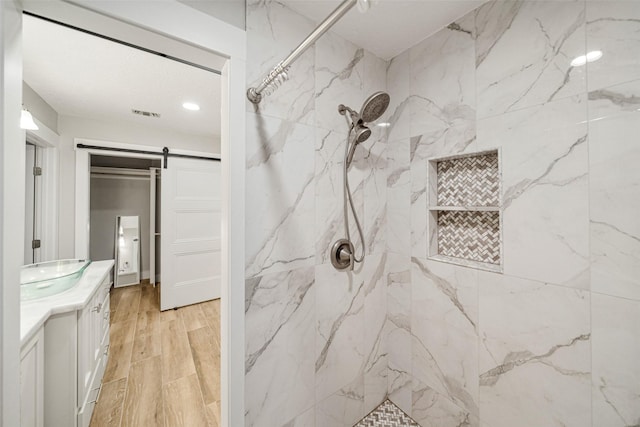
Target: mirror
127	251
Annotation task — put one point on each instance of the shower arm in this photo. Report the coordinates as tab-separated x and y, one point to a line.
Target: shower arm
255	93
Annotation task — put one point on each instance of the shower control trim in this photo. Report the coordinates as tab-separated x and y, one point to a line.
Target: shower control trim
342	255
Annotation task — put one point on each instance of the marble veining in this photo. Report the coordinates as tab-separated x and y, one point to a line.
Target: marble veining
398	197
614	190
344	407
281	153
616	351
340	353
551	341
516	359
399	330
398	76
375	361
613	28
280	328
516	190
442	79
272	33
431	409
375	195
339	79
524	53
329	160
542	373
260	292
546	197
444	330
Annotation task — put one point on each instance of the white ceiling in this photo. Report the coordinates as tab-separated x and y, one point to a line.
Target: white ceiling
390	26
86	76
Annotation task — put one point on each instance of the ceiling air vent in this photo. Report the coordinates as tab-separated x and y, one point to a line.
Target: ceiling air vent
145	113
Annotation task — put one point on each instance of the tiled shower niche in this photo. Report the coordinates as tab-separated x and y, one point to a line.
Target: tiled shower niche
464	210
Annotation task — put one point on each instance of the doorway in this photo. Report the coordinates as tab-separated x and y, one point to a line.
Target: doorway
196	30
33	204
125	217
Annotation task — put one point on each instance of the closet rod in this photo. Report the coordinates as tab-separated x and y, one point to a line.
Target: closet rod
119	171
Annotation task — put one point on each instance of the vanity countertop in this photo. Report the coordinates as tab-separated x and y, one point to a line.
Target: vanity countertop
34	313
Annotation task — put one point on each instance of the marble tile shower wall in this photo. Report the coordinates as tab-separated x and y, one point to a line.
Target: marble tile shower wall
554	341
310	360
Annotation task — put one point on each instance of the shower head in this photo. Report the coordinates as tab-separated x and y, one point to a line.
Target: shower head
374	107
362	133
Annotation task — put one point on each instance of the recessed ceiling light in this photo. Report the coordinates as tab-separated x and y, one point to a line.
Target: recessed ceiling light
384	124
594	55
579	61
191	106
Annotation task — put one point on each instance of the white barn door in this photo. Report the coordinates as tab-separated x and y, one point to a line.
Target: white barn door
190	232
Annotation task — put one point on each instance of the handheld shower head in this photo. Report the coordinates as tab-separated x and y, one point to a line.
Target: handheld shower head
361	134
372	109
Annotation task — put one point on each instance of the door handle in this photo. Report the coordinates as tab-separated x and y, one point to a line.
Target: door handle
97	395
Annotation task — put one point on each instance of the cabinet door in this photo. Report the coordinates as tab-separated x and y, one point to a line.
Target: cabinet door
85	352
93	332
105	324
32	382
89	338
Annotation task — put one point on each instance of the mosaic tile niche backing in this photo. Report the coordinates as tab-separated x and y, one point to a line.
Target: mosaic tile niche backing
471	235
387	415
467	216
469	181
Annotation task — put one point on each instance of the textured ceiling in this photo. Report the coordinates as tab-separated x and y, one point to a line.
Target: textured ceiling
389	27
86	76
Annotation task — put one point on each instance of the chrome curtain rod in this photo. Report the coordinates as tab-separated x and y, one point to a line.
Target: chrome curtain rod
279	73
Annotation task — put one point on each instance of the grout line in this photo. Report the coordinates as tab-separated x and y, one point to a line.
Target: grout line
209	325
204	406
162	356
135	327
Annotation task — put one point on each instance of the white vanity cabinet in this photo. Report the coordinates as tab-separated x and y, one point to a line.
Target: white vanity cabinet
75	354
93	348
31	382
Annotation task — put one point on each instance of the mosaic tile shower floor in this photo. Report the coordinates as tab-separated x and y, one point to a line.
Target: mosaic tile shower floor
387	415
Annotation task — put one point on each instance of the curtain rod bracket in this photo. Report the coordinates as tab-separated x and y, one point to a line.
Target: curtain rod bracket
278	74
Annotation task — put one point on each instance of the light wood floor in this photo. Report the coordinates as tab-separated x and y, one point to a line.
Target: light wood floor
163	367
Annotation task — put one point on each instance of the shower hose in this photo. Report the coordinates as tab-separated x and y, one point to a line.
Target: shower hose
348	200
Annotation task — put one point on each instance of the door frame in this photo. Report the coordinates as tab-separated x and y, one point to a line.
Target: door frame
175	21
47	141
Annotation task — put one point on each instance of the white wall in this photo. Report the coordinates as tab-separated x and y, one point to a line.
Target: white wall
12	149
76	127
109	199
230	11
39	108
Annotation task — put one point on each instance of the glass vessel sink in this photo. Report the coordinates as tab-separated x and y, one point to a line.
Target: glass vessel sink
49	278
